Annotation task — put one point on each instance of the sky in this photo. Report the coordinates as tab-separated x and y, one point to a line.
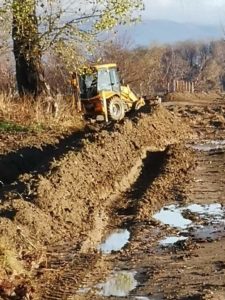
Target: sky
194	11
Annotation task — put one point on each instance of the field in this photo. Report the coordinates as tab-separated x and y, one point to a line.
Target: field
95	211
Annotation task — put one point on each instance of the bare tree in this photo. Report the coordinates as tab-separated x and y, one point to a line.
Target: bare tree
38	25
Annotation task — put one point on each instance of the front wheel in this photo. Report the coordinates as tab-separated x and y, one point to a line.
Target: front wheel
116	110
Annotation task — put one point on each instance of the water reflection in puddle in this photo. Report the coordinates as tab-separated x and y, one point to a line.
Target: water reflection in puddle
171	215
212	210
147	298
119	284
83	290
209	145
115	241
210	232
172	240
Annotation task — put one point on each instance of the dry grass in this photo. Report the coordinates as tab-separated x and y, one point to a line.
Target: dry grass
195	97
9	260
43	113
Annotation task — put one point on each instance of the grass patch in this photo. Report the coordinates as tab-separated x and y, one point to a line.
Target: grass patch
6	126
12	127
9	260
27	115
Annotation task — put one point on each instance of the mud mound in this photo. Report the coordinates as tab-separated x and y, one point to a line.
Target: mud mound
83	183
71	198
73	201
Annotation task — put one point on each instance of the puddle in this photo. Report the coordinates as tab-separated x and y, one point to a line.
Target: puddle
119	284
210	232
115	241
209	145
172	215
83	290
171	240
214	211
192	222
146	298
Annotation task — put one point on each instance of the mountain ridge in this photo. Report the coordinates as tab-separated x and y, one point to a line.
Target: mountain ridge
169	32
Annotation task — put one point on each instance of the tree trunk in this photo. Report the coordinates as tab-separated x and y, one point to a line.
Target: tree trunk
26	48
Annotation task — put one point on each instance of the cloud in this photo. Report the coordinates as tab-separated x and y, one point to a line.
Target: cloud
197	11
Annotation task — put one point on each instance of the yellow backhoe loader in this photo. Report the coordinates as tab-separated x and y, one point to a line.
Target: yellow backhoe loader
98	92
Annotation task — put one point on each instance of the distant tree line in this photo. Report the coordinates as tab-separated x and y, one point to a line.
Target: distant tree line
70	28
149	70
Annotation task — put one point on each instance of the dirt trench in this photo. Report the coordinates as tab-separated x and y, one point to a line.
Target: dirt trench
159	260
65	208
53	220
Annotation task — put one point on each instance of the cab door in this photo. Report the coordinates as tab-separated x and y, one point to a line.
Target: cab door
114	78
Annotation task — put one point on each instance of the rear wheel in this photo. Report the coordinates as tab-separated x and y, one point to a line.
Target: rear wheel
116	109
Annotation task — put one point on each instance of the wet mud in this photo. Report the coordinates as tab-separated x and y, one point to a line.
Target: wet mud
134	211
172	253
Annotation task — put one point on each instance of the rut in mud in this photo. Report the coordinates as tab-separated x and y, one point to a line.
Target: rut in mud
154	161
178	252
122	181
64	208
65	286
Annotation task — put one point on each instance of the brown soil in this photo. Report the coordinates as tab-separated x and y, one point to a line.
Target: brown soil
54	214
107	163
193	270
195	98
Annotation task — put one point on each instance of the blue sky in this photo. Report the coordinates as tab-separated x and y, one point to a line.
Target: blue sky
195	11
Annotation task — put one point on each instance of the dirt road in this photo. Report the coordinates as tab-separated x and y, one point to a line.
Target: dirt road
133	210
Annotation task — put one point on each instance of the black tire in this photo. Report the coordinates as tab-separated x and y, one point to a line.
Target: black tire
116	109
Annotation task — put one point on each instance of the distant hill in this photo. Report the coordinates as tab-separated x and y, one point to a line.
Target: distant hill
164	31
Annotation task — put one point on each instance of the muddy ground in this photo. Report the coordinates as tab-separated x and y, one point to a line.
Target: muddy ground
56	211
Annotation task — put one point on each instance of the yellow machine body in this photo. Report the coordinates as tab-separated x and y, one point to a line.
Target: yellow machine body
101	93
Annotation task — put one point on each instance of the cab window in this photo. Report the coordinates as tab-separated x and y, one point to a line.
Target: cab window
104	81
114	80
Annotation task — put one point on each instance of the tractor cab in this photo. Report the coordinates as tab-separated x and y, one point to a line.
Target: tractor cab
101	93
98	79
